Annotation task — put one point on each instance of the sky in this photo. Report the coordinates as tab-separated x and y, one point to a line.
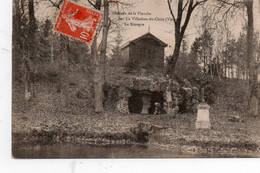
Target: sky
156	19
164	29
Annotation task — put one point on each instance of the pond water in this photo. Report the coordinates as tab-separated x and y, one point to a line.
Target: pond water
88	151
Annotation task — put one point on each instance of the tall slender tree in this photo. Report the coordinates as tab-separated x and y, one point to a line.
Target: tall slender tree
181	21
253	101
252	65
100	58
25	27
99	78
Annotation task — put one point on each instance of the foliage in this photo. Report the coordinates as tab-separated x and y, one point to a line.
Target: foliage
187	67
116	57
210	89
202	48
44	57
231	96
130	67
184	13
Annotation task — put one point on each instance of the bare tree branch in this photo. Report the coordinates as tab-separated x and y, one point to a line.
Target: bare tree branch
179	13
187	19
236	4
225	14
179	28
91	3
118	2
187	2
170	8
57	5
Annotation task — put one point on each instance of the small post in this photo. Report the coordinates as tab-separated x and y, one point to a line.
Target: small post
203	121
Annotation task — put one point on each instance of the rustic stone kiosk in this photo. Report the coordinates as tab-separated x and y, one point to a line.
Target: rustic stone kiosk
146	85
138	94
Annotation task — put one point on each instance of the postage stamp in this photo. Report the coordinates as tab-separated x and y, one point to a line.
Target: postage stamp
77	21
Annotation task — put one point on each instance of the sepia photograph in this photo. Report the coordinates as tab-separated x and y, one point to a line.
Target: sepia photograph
135	79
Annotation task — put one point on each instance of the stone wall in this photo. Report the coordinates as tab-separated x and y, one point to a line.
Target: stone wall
177	98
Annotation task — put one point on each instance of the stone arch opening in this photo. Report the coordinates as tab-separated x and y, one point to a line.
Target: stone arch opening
144	102
135	103
156	97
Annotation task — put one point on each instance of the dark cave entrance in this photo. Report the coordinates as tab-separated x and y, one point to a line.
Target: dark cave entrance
156	97
135	103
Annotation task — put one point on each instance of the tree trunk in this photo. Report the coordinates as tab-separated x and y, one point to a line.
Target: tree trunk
225	68
174	58
63	63
19	42
99	77
32	19
52	49
232	71
252	65
26	74
29	56
179	29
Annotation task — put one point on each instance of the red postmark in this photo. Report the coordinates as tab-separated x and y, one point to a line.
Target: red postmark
77	21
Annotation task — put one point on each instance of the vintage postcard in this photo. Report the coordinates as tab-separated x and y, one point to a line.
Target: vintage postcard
135	79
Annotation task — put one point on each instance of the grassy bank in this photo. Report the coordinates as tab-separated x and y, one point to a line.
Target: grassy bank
237	138
113	128
91	128
44	120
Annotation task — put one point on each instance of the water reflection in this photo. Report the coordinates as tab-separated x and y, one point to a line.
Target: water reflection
88	151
